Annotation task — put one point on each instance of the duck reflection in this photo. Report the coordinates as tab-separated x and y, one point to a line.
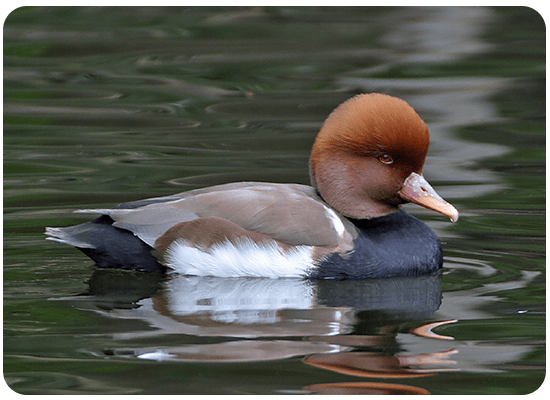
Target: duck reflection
261	307
349	327
372	388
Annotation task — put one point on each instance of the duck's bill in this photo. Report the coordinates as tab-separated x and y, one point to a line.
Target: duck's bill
417	190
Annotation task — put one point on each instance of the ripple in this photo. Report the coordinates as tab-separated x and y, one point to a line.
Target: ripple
56	383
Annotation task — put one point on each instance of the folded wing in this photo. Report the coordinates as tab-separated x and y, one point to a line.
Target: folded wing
290	213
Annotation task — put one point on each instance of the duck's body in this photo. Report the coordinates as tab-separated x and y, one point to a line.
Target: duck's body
366	161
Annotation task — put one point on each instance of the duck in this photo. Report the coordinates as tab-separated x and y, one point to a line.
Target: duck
365	163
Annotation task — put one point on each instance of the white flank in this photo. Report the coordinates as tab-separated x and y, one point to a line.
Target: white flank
245	258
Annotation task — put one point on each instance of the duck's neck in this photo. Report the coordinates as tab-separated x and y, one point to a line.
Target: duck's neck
340	188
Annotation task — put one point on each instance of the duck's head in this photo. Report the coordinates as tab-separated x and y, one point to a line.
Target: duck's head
368	157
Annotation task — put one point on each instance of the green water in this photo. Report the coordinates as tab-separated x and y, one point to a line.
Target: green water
106	105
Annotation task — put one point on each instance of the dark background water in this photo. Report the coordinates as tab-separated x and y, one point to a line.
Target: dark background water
106	105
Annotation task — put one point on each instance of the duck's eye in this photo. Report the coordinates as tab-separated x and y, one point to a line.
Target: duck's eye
385	159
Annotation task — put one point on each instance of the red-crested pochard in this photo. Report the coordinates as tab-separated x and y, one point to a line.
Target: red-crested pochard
366	161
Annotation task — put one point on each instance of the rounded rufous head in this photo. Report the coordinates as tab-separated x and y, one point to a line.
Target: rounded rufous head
364	153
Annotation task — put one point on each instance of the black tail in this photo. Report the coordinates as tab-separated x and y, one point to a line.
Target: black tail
108	246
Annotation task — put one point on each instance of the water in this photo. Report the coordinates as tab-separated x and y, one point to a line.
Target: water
104	105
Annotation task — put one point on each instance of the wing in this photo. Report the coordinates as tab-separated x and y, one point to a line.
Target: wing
290	213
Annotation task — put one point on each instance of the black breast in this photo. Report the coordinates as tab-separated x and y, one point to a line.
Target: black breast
390	246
